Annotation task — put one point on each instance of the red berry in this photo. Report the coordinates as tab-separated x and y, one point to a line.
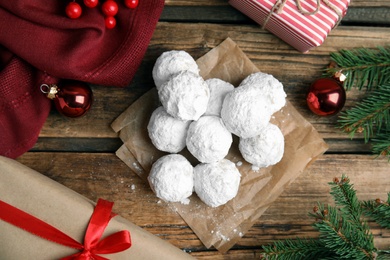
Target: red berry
73	10
131	3
91	3
110	22
110	8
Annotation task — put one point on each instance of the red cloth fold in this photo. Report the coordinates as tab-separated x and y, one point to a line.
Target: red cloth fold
40	44
93	244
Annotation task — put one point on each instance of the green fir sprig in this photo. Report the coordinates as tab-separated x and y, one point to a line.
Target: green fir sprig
367	69
363	67
370	117
378	210
343	229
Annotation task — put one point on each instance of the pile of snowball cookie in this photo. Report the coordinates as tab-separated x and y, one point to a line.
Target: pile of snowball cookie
202	115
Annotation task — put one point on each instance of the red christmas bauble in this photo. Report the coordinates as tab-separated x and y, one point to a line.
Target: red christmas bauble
71	98
326	97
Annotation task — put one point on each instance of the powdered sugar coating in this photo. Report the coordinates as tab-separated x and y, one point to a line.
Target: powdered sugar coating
208	140
185	96
218	90
269	86
172	178
216	183
167	133
265	149
170	63
245	111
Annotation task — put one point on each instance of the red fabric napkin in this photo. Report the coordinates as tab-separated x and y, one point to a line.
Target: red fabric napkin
40	44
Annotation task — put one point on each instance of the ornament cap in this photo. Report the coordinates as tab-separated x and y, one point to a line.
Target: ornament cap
50	90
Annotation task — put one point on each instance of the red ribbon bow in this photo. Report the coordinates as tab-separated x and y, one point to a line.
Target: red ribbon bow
93	246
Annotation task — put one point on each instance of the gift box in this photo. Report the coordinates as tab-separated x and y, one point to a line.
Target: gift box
28	198
302	24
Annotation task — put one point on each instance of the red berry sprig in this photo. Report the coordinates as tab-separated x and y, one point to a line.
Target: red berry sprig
109	8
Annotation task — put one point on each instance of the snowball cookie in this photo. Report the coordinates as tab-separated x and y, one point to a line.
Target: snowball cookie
265	149
218	90
245	111
172	62
216	183
167	133
172	178
208	140
270	87
185	96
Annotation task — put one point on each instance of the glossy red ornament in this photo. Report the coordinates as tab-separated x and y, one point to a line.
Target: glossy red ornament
110	8
91	3
71	98
131	3
110	22
326	96
73	10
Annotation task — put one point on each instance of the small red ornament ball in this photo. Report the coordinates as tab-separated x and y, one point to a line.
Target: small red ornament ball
110	8
110	22
326	97
73	98
91	3
73	10
131	3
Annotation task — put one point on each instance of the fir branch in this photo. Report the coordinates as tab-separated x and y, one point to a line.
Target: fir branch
345	197
342	232
381	143
378	210
341	229
373	111
297	249
363	67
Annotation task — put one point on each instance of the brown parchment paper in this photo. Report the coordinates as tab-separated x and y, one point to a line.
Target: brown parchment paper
69	212
223	226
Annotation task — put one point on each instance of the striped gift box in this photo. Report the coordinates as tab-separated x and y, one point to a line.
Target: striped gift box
301	31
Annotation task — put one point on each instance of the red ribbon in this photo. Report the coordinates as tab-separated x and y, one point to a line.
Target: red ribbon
92	246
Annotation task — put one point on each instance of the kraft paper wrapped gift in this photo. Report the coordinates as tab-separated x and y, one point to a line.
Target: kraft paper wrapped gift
302	24
67	211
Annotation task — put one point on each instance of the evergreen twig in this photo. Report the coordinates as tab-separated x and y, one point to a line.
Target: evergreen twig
379	211
370	117
363	67
343	234
368	69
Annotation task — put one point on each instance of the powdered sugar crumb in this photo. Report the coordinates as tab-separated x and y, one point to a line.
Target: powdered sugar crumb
255	168
239	163
185	201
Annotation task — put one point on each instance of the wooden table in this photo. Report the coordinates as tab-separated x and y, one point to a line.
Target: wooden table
80	153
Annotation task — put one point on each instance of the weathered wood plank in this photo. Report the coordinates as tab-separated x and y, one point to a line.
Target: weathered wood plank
364	3
226	14
104	175
295	70
110	145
